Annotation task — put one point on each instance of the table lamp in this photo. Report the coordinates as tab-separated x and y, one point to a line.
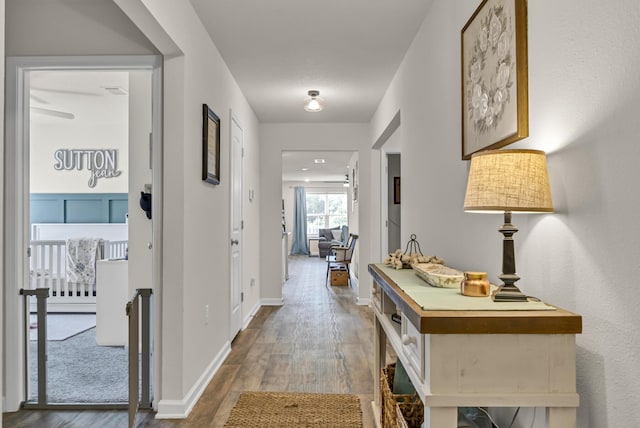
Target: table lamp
508	181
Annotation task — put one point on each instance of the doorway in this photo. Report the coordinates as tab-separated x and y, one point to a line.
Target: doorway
328	180
389	147
394	201
72	178
78	217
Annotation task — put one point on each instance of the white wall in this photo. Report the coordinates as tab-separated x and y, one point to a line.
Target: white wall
62	27
276	138
140	228
354	220
91	129
196	229
583	90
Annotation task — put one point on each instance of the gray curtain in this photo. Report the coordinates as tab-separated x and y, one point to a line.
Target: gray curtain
300	243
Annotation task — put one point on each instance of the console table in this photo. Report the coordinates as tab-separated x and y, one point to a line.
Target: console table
465	358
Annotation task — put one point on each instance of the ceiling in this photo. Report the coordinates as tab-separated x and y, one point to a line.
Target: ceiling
80	97
277	50
333	170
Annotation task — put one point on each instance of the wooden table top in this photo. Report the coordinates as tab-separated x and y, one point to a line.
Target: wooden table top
558	321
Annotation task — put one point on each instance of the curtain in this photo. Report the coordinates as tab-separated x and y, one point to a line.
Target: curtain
300	244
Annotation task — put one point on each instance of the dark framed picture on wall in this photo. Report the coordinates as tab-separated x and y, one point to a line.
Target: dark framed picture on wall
495	108
396	190
210	146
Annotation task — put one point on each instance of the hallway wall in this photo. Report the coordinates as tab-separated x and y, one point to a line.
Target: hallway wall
196	260
583	110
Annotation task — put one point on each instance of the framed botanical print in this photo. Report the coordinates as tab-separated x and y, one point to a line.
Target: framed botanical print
494	76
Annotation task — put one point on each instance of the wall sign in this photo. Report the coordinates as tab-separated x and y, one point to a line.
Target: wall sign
100	163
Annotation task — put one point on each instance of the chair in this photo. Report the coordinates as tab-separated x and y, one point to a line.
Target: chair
333	262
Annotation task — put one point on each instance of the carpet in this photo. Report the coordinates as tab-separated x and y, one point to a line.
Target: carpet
79	371
63	326
282	409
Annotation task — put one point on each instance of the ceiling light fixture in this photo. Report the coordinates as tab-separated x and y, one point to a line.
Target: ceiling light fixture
318	160
313	103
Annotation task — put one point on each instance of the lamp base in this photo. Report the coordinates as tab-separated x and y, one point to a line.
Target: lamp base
508	293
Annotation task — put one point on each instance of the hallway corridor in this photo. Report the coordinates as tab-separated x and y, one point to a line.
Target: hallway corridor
319	341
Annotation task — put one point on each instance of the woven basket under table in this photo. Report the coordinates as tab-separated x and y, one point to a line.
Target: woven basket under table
410	406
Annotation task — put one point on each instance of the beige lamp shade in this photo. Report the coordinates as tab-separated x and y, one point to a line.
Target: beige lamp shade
509	180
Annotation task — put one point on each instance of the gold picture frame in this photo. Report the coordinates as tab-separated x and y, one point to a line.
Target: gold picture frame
495	109
210	146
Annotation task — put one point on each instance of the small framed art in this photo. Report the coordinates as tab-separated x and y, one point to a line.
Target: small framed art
210	146
396	190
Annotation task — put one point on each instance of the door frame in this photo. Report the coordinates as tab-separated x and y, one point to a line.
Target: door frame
232	333
16	221
381	152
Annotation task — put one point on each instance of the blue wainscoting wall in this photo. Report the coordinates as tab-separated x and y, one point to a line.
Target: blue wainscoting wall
79	207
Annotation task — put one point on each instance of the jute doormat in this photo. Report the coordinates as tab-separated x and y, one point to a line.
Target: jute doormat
283	409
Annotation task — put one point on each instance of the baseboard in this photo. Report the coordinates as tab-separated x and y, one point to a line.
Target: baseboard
272	302
67	307
361	301
180	409
376	414
354	281
252	314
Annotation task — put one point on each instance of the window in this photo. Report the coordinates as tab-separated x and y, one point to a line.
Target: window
325	210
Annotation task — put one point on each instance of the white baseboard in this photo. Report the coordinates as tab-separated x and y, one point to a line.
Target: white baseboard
180	409
252	314
361	301
354	281
272	302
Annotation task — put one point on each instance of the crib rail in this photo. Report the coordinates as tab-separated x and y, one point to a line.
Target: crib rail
48	270
116	249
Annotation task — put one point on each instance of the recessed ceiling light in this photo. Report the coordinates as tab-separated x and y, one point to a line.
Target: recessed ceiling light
304	169
318	160
115	90
306	180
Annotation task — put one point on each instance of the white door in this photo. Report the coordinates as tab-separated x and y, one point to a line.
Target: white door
236	228
140	177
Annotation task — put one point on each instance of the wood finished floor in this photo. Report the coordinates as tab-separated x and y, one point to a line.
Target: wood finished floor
319	341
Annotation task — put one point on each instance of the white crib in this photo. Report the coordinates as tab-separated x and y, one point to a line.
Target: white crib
48	262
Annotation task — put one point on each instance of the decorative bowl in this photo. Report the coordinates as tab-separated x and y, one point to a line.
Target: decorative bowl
438	275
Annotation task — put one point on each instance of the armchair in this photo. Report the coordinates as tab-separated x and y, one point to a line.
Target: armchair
335	237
